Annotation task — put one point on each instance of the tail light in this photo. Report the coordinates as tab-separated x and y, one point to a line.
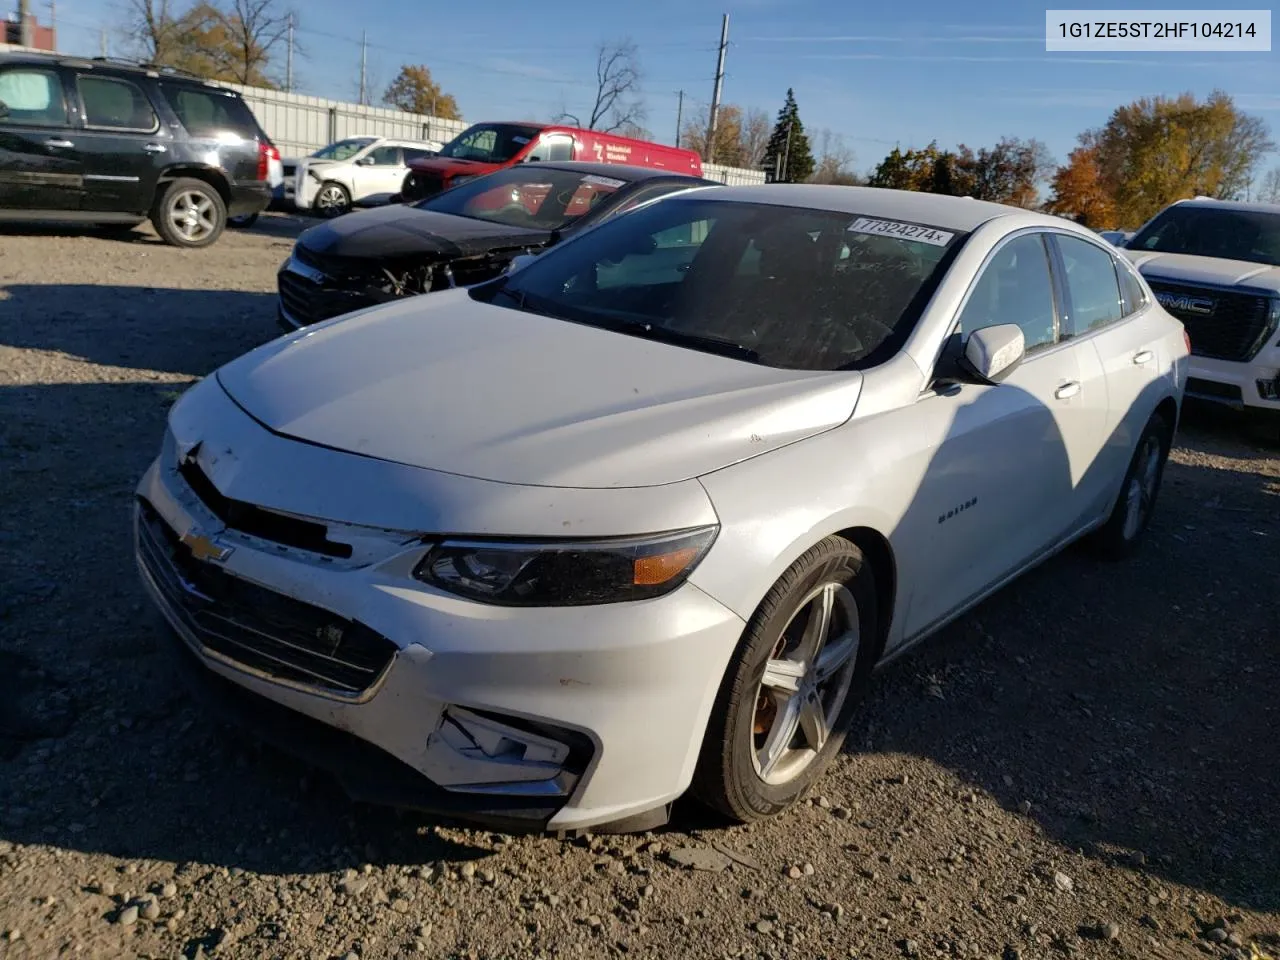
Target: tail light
266	153
1186	338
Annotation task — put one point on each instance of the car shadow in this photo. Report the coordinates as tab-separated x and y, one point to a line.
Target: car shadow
153	329
283	224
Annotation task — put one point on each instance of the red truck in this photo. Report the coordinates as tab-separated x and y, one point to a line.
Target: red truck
485	147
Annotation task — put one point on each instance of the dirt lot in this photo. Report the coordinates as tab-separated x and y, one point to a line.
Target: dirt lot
1087	766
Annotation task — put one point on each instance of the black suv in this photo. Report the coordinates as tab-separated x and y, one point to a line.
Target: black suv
107	142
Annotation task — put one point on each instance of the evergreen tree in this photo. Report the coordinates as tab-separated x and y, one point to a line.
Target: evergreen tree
790	145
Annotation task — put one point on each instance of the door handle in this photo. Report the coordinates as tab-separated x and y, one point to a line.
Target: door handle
1143	356
154	147
1067	390
64	144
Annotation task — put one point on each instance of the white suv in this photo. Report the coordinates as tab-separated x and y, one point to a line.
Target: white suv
1215	265
359	170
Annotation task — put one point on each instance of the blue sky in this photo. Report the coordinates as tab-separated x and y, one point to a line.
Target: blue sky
877	74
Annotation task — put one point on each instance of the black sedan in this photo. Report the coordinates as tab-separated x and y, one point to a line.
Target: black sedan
458	238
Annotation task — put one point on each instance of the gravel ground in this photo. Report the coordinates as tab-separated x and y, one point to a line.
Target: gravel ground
1088	765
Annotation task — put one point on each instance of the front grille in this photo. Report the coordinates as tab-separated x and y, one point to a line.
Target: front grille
253	520
264	631
1222	324
309	302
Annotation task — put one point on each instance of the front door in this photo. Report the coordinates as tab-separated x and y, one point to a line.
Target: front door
379	174
40	165
1001	486
123	145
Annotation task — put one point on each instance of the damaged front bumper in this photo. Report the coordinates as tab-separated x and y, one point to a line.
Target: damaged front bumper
544	719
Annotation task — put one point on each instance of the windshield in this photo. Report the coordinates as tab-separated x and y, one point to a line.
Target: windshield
1250	235
783	286
522	196
490	142
343	149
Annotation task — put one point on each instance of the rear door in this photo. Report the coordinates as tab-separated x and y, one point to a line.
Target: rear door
40	165
1108	312
121	141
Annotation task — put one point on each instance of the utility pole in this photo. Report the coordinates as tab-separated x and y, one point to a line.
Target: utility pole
364	59
102	42
24	23
715	97
785	168
288	62
679	114
53	21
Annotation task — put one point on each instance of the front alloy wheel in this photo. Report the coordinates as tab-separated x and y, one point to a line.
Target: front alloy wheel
332	200
791	686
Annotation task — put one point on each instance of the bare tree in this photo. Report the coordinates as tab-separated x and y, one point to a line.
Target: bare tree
755	136
834	160
151	30
1269	191
254	29
617	104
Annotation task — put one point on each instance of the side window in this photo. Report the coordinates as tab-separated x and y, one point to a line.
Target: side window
115	104
1135	297
1093	291
666	263
33	97
385	156
415	153
1015	287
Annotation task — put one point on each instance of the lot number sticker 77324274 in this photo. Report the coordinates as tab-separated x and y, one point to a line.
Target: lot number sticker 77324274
902	231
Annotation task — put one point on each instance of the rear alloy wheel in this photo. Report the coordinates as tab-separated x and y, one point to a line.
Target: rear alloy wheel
1124	530
189	213
332	200
791	687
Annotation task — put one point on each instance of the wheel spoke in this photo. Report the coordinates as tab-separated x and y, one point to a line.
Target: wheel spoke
206	224
813	722
835	655
783	675
815	631
780	736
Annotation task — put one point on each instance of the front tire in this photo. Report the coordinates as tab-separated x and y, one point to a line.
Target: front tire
332	200
189	213
791	686
1130	518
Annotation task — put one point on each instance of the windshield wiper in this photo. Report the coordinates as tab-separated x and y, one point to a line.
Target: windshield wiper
680	338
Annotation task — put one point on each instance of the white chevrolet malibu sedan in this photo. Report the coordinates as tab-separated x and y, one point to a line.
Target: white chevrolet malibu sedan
643	515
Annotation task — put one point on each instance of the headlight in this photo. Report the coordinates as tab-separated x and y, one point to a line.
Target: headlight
565	573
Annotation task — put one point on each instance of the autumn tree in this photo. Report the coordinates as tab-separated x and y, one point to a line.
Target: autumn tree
1079	193
1160	149
915	169
788	154
617	101
413	91
1009	172
728	146
234	40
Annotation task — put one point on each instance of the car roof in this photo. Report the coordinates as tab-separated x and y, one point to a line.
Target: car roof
43	58
951	213
619	171
1212	204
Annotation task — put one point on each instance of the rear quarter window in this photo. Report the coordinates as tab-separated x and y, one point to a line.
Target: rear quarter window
210	113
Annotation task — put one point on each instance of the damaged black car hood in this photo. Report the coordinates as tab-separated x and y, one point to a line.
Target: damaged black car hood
397	231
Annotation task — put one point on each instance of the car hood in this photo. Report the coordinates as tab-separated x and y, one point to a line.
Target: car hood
449	384
398	230
1208	270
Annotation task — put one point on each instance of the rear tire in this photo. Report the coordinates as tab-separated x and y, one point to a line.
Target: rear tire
1127	526
189	213
765	743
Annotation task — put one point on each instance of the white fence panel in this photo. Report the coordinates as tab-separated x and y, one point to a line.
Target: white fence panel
733	176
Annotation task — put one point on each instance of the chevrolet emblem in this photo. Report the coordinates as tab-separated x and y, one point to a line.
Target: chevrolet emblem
205	548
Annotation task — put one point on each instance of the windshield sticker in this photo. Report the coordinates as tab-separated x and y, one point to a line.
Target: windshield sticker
603	181
520	140
902	231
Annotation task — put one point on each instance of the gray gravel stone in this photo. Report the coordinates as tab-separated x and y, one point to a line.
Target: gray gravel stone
128	916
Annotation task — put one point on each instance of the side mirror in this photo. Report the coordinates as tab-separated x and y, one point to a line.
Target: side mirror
521	261
365	162
992	353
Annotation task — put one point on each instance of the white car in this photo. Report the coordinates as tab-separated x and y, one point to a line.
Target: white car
1215	264
645	513
358	171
